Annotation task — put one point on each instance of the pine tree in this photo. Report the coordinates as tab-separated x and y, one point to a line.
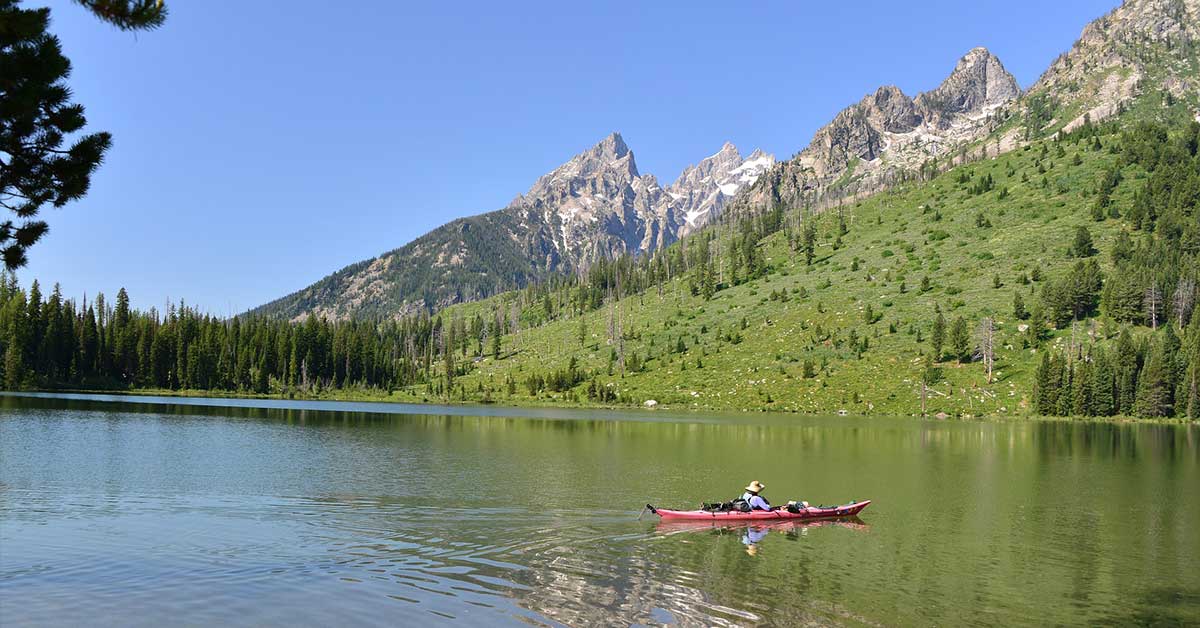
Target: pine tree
1081	393
1154	392
1103	376
38	117
960	340
1066	401
34	327
1127	386
1046	386
1190	386
810	242
1082	246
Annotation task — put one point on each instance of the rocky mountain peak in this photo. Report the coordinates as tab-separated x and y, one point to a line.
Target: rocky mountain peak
597	205
891	110
887	131
603	168
612	147
702	190
978	84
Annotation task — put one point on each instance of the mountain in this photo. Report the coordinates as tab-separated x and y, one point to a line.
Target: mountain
888	134
1044	277
701	191
596	205
1145	52
1142	48
1140	56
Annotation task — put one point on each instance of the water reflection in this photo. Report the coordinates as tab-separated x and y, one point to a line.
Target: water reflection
268	515
752	534
791	528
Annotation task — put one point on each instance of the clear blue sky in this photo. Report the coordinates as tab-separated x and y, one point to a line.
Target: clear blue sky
259	146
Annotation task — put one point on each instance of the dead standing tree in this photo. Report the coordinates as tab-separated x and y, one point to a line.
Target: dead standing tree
1184	300
1153	305
986	348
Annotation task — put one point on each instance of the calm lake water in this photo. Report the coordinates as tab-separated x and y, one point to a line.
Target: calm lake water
200	512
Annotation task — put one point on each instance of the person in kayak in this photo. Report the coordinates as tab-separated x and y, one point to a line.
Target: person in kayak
752	497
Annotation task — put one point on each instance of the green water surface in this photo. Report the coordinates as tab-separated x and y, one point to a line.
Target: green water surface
161	511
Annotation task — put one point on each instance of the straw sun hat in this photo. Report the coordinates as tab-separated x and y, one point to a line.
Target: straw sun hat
755	487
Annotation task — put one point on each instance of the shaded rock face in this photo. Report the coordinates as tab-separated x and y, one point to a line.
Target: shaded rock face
895	111
596	205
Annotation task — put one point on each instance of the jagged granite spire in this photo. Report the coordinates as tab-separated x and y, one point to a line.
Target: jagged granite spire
978	84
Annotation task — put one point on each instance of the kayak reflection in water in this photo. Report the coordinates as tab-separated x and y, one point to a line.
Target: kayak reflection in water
791	528
751	538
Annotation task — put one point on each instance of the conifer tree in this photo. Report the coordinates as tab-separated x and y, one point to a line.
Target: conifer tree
46	161
810	242
960	340
1081	393
937	339
1154	392
1081	246
1044	389
1190	386
1102	398
1066	401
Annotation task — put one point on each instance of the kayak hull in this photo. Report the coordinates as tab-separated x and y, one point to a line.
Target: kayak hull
848	510
679	526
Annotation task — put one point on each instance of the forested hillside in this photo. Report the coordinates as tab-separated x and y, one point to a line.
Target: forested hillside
1059	278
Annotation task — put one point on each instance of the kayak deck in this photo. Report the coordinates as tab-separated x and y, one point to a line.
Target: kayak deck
811	512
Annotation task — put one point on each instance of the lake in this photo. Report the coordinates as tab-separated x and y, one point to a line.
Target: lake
151	511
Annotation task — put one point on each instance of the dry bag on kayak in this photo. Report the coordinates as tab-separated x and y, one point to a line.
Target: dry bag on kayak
737	505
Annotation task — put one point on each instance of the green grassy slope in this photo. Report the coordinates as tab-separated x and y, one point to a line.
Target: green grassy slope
960	240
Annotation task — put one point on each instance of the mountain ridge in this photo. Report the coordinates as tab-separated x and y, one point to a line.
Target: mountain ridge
596	205
1138	49
887	134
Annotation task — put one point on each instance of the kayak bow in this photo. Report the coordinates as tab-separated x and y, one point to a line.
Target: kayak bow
811	512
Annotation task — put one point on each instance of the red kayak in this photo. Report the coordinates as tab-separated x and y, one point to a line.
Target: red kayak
812	512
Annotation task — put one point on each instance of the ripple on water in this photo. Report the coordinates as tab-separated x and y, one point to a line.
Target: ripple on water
145	519
177	555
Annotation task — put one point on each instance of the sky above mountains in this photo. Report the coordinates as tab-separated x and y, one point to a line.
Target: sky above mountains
261	146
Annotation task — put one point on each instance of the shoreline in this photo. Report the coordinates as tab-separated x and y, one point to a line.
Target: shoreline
421	401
